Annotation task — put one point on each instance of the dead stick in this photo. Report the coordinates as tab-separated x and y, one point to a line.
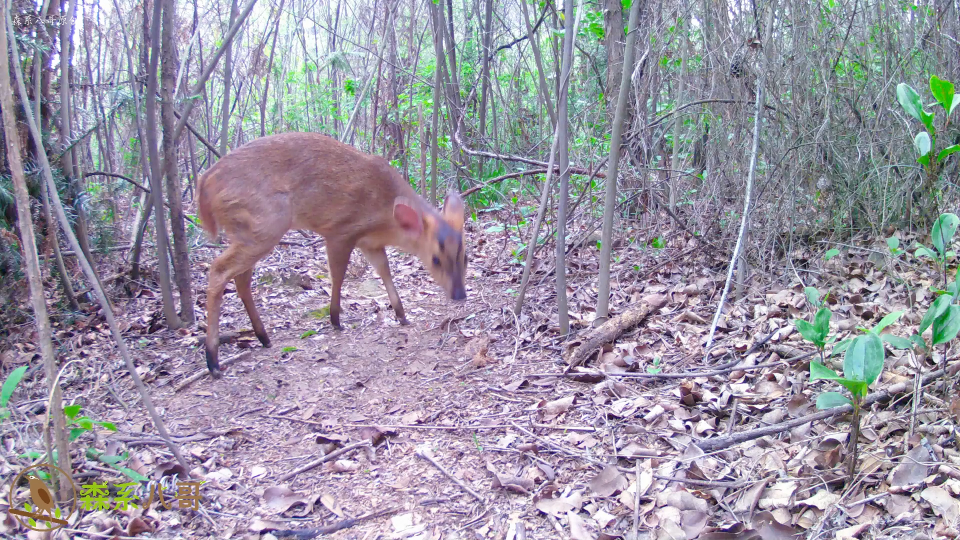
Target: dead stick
338	526
446	473
316	463
606	333
200	374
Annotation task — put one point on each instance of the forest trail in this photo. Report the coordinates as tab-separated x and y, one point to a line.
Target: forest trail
278	408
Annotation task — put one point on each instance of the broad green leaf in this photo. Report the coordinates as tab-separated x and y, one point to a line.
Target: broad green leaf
927	120
9	385
943	91
943	230
924	160
936	309
819	371
909	100
946	326
857	388
924	251
71	411
813	295
132	474
85	423
922	143
809	333
893	242
831	253
918	342
863	361
841	347
821	322
887	321
947	151
107	425
897	342
829	400
76	432
956	101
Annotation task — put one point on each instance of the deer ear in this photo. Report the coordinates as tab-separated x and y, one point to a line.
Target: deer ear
453	210
407	217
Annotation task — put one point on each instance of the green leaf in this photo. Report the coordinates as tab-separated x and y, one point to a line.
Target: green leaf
76	432
831	253
71	411
308	333
936	309
857	388
839	348
829	400
863	361
924	251
108	425
956	101
927	119
918	342
819	371
809	333
85	423
9	385
887	321
909	100
943	92
897	342
288	349
946	326
922	143
943	230
821	322
813	296
893	242
947	151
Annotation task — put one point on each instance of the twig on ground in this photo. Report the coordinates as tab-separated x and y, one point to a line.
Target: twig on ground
424	455
204	372
329	457
338	526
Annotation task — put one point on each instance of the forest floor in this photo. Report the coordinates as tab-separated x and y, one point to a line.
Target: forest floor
461	425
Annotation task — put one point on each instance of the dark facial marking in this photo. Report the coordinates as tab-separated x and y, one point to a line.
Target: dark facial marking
436	260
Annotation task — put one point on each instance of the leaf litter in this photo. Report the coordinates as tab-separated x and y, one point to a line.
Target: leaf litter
612	445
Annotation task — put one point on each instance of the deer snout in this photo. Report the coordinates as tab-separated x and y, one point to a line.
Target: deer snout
459	293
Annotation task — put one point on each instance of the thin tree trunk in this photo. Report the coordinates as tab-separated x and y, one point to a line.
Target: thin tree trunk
266	82
485	71
156	183
678	120
613	42
227	82
613	171
438	80
66	127
563	124
535	46
28	241
181	256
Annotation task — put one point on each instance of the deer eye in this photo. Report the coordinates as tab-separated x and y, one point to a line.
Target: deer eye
436	260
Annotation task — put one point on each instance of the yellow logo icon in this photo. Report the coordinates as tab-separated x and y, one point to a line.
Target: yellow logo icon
36	509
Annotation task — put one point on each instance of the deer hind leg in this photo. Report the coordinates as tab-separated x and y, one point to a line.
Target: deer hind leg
243	281
235	263
378	258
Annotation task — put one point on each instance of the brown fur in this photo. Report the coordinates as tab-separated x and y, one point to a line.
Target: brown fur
310	181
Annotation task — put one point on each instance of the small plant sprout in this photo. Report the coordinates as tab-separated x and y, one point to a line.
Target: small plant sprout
862	364
941	235
818	331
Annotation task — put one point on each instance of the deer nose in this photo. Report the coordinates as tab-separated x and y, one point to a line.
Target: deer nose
459	293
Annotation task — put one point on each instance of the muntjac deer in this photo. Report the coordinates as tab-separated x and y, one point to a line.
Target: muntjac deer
268	186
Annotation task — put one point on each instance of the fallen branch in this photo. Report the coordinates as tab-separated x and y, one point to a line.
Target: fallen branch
203	372
330	529
447	473
329	457
499	179
606	333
